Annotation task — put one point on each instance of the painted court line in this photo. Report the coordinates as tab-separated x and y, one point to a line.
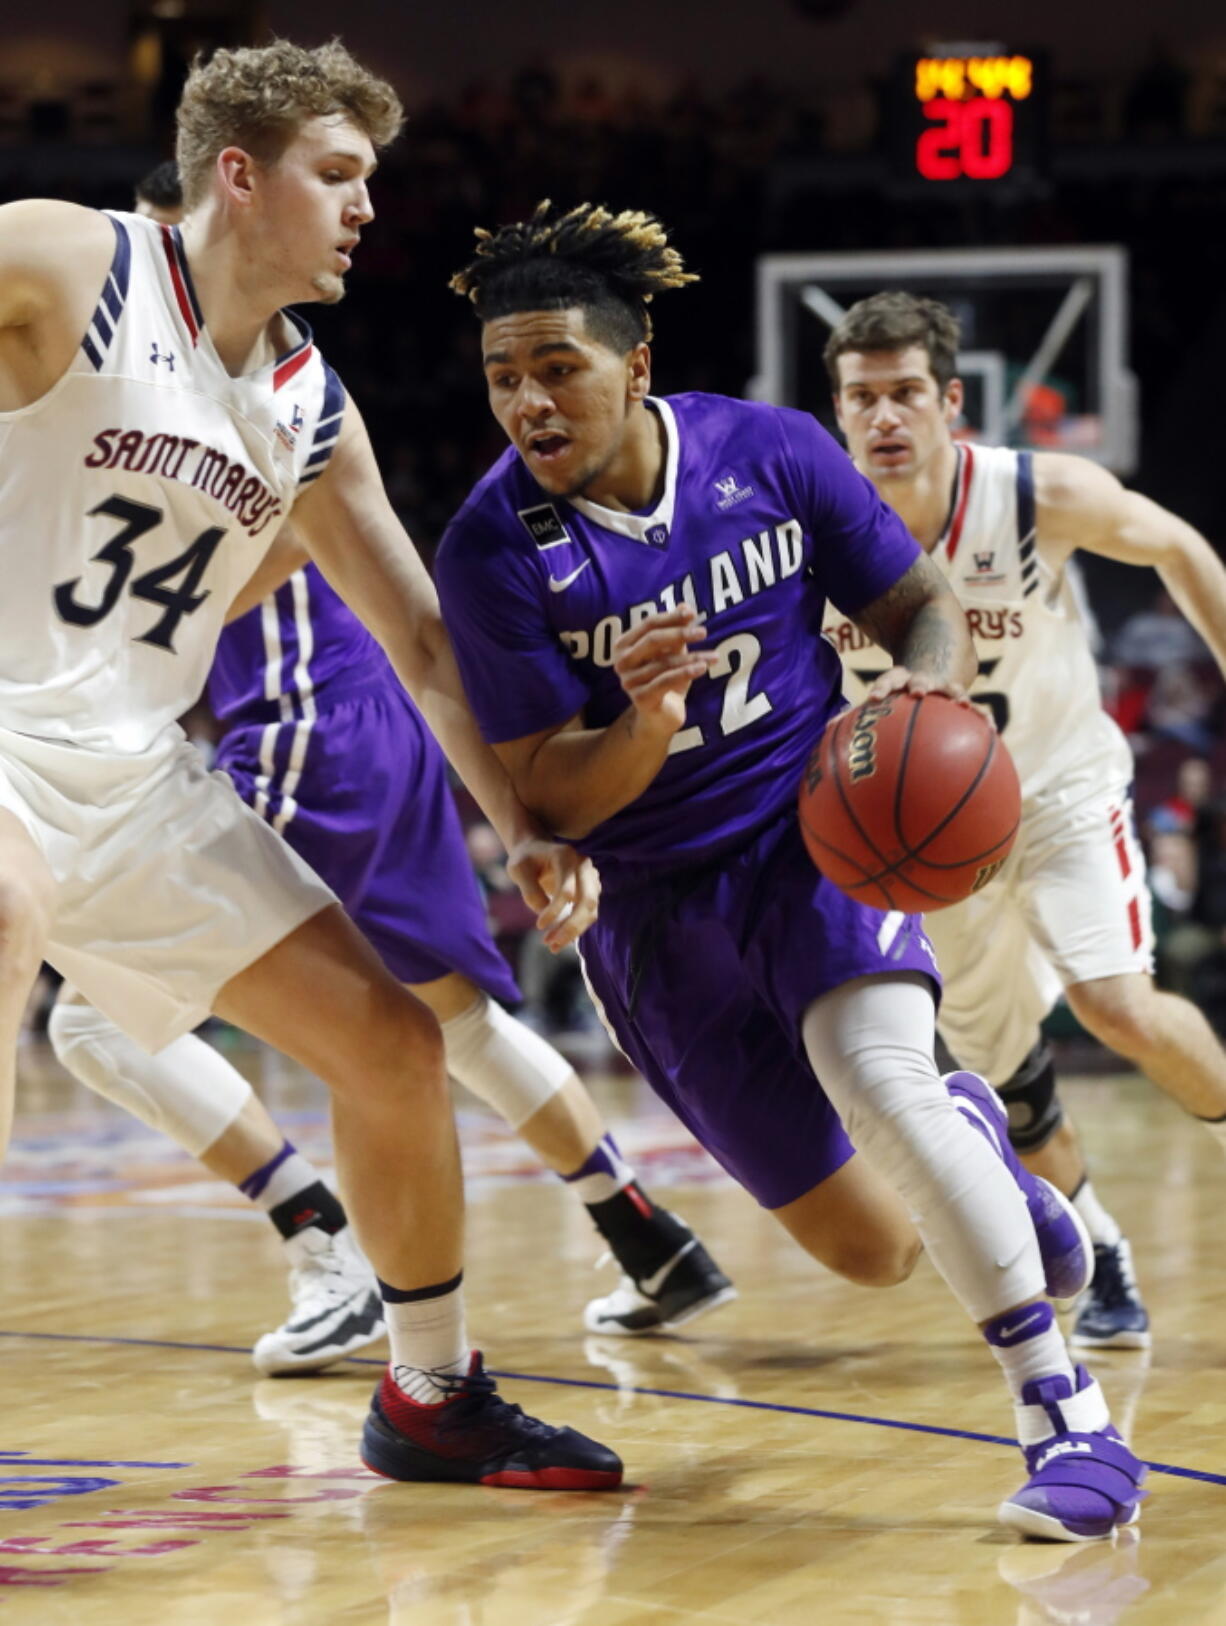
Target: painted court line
613	1388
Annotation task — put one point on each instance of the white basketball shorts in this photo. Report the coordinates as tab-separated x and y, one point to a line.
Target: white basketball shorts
168	885
1071	904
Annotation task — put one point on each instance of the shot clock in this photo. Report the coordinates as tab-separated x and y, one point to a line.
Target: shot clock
969	116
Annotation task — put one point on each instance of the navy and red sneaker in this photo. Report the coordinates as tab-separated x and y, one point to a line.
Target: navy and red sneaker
474	1437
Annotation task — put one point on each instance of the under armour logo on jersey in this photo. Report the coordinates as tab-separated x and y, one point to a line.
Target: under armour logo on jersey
156	355
657	535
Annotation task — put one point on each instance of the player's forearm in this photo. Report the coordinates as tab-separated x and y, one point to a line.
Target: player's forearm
439	693
938	643
1196	580
579	778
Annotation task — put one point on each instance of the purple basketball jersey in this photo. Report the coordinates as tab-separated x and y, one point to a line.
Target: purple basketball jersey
763	519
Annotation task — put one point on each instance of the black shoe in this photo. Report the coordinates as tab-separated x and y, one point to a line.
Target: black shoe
474	1437
688	1285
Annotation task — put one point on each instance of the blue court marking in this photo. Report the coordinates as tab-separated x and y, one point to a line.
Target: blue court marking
613	1388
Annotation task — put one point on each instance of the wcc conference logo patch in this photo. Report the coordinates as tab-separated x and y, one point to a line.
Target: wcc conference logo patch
729	491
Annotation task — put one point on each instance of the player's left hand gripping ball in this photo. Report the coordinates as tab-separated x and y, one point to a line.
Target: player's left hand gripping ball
560	884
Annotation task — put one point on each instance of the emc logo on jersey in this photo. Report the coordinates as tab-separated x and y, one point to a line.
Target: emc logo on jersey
544	525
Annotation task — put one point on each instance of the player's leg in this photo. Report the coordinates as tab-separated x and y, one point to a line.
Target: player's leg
1111	1314
192	1094
323	996
1091	914
669	1277
1165	1037
941	1143
998	986
855	1224
27	894
417	901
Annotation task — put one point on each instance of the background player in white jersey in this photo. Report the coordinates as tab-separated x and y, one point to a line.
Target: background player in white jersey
160	414
1070	909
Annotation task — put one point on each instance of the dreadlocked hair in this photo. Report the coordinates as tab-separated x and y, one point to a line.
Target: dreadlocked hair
611	265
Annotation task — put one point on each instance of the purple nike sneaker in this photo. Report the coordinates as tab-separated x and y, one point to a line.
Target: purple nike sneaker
1084	1481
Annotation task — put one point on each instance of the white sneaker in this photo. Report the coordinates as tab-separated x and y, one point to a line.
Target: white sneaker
336	1308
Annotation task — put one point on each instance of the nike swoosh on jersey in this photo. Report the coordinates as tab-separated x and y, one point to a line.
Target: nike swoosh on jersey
556	586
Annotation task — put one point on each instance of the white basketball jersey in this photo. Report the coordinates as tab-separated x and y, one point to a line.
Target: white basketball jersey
136	498
1036	672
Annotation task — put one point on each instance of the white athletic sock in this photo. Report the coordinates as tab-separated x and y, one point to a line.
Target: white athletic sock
1028	1345
281	1178
428	1340
602	1176
1102	1228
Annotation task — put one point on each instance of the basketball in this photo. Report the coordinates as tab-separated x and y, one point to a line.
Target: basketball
911	802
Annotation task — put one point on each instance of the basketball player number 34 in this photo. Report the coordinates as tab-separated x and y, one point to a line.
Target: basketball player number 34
157	586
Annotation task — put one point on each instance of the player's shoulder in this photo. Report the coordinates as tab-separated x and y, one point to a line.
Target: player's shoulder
755	433
492	508
48	246
1063	479
703	410
52	221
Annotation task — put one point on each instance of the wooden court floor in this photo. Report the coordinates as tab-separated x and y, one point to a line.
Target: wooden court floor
814	1453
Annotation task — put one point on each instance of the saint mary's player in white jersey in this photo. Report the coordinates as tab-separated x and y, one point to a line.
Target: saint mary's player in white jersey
160	415
1070	909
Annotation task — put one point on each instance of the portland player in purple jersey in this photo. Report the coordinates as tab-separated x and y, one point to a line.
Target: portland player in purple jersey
325	744
635	592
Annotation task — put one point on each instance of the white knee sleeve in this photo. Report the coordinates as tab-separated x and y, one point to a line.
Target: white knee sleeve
187	1091
502	1061
870	1044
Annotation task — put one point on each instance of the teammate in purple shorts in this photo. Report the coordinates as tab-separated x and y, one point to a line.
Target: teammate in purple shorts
635	592
325	744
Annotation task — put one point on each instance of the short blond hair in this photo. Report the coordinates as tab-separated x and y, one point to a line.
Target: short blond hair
258	97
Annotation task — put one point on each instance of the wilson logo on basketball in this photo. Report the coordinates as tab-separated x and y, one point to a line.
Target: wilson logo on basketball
986	874
862	752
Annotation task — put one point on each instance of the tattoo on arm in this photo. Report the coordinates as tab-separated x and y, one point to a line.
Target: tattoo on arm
920	624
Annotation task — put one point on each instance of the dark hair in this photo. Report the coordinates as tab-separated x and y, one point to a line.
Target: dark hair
161	188
895	321
609	265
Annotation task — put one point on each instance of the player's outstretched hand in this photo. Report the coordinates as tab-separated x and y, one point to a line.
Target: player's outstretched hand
656	665
560	884
901	680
